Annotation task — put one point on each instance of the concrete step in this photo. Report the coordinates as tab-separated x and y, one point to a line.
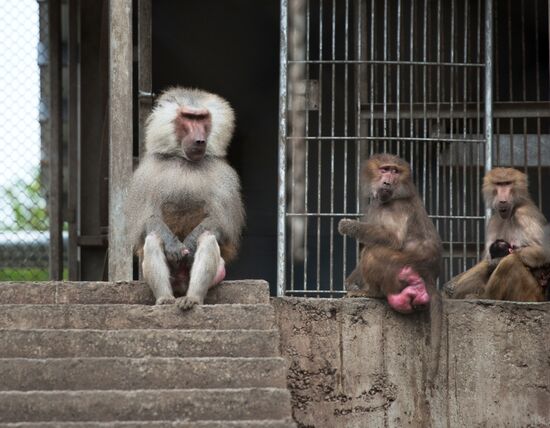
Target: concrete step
138	343
23	374
113	317
135	292
178	404
156	424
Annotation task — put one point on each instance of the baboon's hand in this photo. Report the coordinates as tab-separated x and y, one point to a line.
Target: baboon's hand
190	241
347	226
175	251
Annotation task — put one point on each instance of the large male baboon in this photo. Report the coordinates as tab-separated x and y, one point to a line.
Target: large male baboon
184	207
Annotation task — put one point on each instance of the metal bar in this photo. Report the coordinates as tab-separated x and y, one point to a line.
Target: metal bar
73	143
373	87
376	138
537	98
281	219
314	292
332	125
385	77
504	109
523	82
120	134
488	92
346	73
361	93
478	123
464	133
358	214
451	148
392	62
398	79
145	61
55	201
319	153
306	142
426	174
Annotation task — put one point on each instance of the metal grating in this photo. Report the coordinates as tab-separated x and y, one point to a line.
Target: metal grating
410	78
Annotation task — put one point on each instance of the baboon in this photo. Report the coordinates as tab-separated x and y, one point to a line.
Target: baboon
401	254
515	223
184	208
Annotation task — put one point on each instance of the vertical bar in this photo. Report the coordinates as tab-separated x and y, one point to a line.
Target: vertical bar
452	146
510	81
361	73
425	178
73	143
346	73
306	157
524	85
398	82
465	189
145	80
537	98
478	131
55	201
372	71
281	223
332	125
120	134
488	92
319	148
385	84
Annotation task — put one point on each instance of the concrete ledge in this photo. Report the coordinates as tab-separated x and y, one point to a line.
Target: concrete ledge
134	292
356	363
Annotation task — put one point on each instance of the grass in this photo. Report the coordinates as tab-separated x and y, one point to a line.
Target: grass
26	274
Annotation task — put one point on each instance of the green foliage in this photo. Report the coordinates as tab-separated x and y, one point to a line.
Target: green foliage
24	274
28	274
28	205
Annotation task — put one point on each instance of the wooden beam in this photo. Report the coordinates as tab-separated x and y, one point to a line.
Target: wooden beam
145	80
120	134
55	200
73	141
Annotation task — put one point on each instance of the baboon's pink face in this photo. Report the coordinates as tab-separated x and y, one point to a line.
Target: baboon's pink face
388	180
504	196
192	128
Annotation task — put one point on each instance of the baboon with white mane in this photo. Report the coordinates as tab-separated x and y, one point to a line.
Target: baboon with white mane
184	207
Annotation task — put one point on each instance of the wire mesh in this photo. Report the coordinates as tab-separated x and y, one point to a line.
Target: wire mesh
405	77
24	236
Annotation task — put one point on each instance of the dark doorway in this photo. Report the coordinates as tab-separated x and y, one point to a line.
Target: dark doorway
232	48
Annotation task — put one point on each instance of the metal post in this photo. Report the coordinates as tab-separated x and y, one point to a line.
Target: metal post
281	222
488	92
120	134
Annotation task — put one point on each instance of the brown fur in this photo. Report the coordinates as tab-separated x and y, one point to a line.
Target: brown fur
395	232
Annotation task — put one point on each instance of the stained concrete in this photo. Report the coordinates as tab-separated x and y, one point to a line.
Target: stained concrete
357	363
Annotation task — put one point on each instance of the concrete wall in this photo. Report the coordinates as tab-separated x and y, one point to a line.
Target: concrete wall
356	363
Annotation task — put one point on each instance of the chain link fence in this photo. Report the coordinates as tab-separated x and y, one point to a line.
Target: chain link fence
24	235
